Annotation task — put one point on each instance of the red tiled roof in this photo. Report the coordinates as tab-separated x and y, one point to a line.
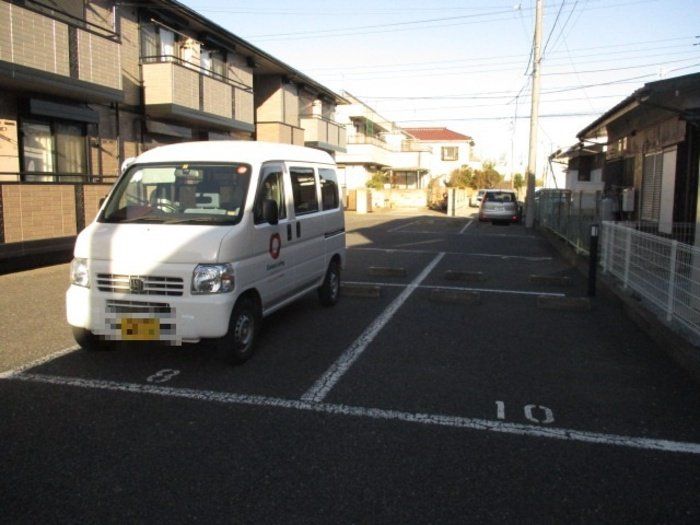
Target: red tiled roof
435	134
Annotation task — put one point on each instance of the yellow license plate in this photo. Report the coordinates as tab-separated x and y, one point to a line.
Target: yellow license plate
140	329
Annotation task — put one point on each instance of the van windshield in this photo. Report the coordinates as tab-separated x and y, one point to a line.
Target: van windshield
189	193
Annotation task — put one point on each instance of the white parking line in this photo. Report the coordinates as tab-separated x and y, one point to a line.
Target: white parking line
458	288
465	227
563	434
463	254
402	227
327	381
55	355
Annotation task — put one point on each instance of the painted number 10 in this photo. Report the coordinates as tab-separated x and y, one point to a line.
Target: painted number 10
534	413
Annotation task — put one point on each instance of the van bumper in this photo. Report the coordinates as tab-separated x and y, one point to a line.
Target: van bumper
187	318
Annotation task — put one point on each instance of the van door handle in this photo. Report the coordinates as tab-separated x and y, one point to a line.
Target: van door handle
289	232
298	230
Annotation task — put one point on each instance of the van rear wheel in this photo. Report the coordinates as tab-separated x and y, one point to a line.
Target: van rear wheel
329	291
239	343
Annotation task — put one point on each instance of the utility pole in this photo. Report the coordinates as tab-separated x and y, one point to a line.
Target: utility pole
534	113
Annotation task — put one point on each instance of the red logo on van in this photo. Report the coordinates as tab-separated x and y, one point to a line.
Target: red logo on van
275	245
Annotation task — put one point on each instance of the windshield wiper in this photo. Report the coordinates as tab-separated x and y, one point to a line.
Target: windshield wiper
144	219
197	219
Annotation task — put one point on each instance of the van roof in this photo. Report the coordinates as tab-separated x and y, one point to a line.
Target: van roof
251	152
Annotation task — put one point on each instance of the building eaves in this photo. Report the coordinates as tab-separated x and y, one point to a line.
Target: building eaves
210	31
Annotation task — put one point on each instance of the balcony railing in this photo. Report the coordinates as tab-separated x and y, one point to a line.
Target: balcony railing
280	132
58	44
183	91
323	133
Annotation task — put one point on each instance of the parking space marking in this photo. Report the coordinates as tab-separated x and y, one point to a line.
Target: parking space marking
327	381
562	434
459	289
462	254
465	227
402	226
55	355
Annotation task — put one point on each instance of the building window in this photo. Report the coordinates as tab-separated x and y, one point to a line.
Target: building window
652	173
450	153
53	148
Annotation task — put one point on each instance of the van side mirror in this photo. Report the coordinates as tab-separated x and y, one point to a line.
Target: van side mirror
270	211
102	201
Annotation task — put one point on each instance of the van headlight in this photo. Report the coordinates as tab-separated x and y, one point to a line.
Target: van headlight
212	278
79	274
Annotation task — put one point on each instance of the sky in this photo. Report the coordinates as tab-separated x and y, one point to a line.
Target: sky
466	65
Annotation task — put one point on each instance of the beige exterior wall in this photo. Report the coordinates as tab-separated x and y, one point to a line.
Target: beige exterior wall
159	81
281	133
244	109
291	104
100	13
38	211
218	97
33	40
98	60
91	197
268	99
238	70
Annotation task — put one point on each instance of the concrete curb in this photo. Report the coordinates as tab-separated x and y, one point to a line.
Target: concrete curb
465	277
387	271
681	351
361	290
550	280
569	304
455	296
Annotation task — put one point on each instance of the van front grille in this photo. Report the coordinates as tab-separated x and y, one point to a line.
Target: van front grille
140	284
137	307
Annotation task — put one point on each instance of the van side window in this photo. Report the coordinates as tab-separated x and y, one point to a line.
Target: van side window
329	189
304	188
272	187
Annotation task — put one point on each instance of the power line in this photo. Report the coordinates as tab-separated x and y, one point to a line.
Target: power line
550	115
395	27
503	94
551	31
490	59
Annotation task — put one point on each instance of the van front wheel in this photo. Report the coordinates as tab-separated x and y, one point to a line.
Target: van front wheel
89	341
329	291
239	343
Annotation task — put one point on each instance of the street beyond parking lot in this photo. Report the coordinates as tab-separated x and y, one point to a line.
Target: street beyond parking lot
435	391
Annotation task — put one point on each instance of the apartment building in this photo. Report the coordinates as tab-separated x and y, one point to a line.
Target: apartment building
375	144
89	83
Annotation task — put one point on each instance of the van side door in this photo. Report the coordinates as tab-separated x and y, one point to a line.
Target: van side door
271	265
307	231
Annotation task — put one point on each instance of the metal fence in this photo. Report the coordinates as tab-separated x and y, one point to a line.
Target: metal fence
663	271
569	215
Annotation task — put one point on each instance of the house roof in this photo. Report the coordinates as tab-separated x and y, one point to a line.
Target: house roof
651	94
436	134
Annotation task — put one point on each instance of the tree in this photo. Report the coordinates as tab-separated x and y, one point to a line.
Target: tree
378	180
487	177
461	178
518	182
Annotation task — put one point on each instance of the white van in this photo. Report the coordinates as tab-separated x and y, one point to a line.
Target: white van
202	240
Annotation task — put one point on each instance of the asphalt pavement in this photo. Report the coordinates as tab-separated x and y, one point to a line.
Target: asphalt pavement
445	396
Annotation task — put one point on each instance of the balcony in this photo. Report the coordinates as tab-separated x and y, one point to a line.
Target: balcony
280	132
323	134
182	92
67	56
363	149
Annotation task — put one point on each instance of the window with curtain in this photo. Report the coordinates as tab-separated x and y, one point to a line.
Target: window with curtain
37	151
53	148
70	148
